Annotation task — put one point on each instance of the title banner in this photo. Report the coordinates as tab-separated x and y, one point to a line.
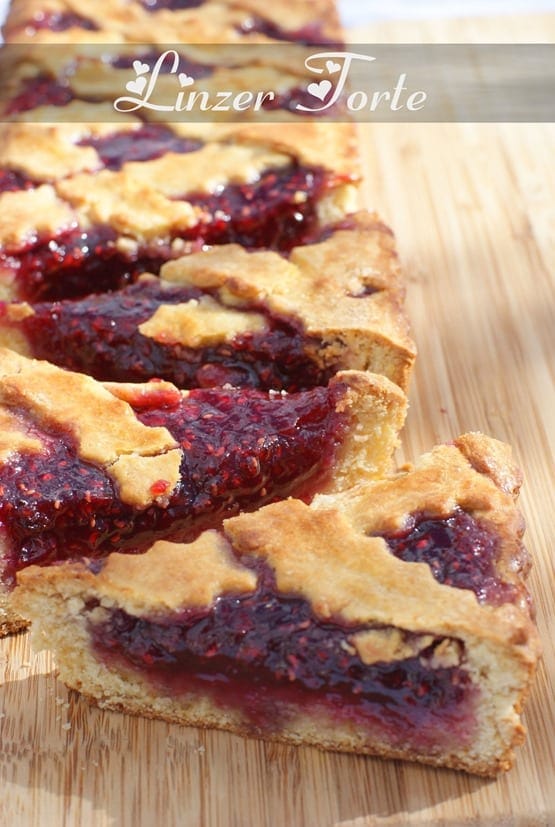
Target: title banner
196	83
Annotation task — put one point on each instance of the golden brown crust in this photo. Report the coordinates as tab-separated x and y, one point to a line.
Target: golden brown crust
140	200
199	323
443	481
138	476
355	258
47	153
30	213
192	576
131	208
377	410
493	459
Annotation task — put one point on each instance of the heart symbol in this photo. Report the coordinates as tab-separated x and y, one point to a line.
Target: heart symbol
319	90
136	86
140	68
332	67
185	79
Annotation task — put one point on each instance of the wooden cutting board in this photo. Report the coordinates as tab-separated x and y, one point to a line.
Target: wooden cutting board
474	212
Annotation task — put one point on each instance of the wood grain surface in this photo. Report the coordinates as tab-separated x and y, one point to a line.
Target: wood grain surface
473	207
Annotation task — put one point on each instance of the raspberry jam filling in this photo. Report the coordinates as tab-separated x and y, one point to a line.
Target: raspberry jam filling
41	90
99	335
11	181
260	651
73	264
268	213
277	212
56	21
309	35
241	449
459	551
145	144
171	5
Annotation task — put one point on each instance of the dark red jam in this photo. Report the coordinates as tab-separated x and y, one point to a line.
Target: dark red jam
11	181
268	213
459	551
73	264
41	90
241	449
260	650
99	335
309	35
322	233
56	21
171	5
144	144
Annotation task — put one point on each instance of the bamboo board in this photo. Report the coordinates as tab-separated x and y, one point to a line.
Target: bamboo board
473	210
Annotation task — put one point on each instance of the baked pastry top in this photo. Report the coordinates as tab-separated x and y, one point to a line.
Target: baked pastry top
389	619
173	21
226	314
